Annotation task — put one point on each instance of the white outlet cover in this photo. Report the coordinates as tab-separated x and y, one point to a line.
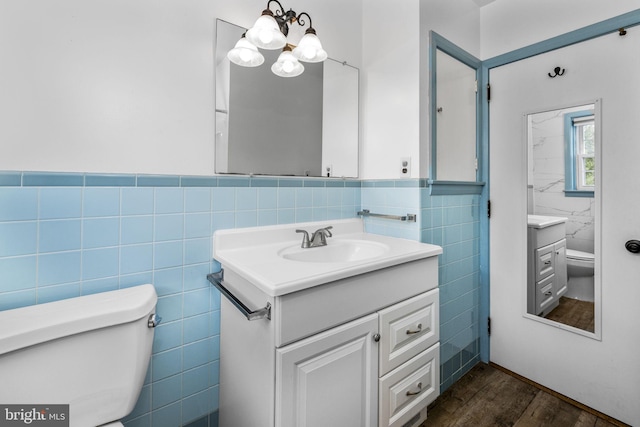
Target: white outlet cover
405	166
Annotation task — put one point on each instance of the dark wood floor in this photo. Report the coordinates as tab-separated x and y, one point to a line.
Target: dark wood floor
573	312
487	396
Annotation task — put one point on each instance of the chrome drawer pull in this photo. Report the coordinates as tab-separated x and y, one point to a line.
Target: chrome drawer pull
413	393
415	331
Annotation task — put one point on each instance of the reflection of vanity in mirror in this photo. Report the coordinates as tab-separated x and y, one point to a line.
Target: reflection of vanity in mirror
561	222
270	125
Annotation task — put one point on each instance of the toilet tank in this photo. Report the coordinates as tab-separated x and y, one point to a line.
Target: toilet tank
91	352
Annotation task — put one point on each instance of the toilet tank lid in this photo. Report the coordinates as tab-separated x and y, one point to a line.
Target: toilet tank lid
580	255
27	326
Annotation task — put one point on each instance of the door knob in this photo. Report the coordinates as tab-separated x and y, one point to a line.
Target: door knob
633	246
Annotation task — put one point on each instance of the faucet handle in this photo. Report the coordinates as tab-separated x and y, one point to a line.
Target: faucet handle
319	237
305	239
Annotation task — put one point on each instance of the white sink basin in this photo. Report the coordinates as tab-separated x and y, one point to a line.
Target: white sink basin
336	251
271	258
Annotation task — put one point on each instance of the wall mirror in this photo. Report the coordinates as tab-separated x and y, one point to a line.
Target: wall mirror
454	112
269	125
563	283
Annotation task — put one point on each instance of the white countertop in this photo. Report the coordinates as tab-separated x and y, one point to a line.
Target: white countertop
543	221
253	253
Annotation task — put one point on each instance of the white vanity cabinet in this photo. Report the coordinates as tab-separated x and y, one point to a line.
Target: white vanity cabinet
359	349
387	361
547	265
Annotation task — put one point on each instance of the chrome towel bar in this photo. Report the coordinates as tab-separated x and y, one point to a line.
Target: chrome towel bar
217	280
407	217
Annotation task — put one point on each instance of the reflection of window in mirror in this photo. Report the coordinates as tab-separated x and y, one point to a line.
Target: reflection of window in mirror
580	153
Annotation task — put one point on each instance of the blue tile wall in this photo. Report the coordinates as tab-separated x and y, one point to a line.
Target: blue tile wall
453	222
66	235
393	198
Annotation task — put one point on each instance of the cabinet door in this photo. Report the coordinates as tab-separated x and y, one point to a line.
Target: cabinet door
329	379
560	283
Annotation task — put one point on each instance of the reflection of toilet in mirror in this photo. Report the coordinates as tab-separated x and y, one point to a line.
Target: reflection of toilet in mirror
580	283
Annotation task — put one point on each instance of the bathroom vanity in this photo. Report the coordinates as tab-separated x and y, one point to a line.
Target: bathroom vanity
546	263
341	335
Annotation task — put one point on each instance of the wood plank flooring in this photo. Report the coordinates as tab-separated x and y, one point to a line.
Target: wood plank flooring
573	312
488	396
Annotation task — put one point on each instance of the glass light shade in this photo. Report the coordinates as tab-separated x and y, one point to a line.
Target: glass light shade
310	49
287	65
245	54
266	33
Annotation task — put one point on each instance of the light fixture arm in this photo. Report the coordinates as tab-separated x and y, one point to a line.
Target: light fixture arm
302	23
289	17
280	12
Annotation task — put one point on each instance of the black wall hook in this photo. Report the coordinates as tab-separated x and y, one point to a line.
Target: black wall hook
557	72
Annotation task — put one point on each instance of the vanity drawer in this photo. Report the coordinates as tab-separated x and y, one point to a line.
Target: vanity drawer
408	389
544	293
545	262
407	328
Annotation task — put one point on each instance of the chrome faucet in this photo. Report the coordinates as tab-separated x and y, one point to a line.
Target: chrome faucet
318	238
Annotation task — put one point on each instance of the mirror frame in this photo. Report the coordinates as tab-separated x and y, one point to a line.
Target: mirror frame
437	42
597	333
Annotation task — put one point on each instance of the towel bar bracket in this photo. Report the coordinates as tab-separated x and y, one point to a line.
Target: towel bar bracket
217	280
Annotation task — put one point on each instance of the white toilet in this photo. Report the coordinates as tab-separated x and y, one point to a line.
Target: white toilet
580	274
90	352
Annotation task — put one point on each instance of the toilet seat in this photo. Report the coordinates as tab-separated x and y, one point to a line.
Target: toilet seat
579	255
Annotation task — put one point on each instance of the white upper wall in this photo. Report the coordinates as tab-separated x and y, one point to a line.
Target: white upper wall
456	20
512	24
121	86
106	86
390	88
127	86
395	78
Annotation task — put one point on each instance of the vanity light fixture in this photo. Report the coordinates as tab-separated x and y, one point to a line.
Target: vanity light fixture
245	53
270	32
